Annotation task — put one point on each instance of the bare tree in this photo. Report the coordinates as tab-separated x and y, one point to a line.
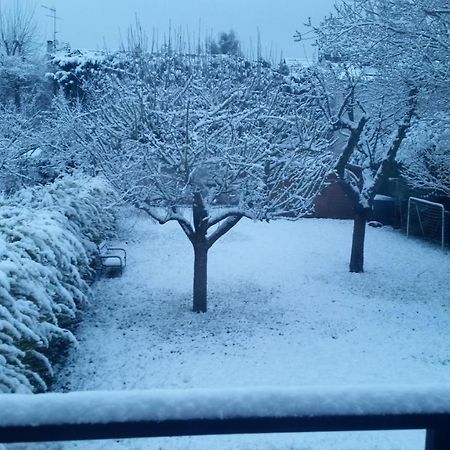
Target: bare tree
370	125
390	63
18	29
206	143
19	73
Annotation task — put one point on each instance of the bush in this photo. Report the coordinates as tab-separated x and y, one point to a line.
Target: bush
47	243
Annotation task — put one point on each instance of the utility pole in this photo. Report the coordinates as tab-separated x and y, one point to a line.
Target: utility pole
53	16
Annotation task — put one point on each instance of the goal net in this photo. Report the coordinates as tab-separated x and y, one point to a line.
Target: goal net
427	220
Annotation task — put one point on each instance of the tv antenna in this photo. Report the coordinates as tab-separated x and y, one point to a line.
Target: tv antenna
53	16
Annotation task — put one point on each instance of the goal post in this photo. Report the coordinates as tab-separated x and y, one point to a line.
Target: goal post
426	219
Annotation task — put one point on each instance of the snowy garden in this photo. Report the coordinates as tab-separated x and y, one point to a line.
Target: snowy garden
284	312
240	190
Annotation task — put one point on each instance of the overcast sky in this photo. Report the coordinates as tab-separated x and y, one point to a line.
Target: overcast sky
94	23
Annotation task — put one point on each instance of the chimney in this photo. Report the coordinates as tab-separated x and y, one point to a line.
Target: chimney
50	47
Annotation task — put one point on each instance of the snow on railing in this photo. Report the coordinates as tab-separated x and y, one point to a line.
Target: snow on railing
156	413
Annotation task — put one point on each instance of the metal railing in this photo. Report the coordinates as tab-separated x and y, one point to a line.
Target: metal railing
138	414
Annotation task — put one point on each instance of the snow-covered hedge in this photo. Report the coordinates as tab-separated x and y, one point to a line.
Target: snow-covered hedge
47	242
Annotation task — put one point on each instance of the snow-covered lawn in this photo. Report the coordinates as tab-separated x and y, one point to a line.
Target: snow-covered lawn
283	311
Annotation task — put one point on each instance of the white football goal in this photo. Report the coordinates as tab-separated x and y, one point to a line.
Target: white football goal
426	219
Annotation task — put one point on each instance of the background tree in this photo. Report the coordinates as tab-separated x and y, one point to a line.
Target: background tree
226	44
206	143
18	30
22	73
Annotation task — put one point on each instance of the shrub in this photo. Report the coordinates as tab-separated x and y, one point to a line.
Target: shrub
47	243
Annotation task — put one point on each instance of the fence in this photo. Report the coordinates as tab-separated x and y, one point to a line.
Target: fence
159	413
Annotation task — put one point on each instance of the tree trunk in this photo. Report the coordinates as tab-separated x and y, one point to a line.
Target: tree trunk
359	234
201	246
200	277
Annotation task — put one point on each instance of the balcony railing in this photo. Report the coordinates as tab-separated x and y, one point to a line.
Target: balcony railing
162	413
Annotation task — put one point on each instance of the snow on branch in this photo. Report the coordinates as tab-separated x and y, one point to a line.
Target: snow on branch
237	135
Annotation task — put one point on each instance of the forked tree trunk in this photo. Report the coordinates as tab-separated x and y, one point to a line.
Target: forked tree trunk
359	234
202	243
200	277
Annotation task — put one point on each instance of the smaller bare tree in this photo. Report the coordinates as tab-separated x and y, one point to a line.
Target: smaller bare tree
370	126
400	52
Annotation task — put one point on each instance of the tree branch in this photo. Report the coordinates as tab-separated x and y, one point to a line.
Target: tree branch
350	147
386	165
170	216
222	229
225	214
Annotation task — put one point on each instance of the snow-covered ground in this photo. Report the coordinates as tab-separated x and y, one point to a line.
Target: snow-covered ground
283	311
